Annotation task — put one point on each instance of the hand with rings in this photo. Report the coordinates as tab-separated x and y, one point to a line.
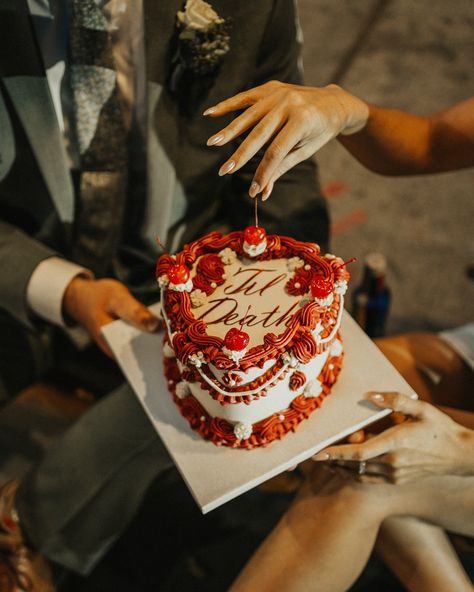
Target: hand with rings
428	443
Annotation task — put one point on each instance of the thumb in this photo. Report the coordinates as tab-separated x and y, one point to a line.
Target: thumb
408	405
126	307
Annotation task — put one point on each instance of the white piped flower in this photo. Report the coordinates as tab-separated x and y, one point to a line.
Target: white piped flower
340	287
294	263
325	301
196	359
187	287
336	348
313	389
182	389
198	298
228	256
254	250
163	281
290	359
242	430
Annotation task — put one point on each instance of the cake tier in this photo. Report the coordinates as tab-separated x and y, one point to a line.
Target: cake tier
252	334
291	400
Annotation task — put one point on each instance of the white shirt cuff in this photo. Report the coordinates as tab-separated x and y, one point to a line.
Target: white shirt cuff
47	285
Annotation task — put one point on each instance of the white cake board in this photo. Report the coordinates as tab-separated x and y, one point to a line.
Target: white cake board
215	474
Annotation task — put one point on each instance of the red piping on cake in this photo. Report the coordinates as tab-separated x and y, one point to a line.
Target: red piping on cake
221	432
297	336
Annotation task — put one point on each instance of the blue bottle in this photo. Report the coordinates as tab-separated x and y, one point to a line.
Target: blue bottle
371	299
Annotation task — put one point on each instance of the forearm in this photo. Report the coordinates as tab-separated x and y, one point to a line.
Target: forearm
420	555
391	143
394	142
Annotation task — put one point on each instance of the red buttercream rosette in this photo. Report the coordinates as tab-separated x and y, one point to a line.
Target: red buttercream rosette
222	430
193	411
299	283
211	268
297	380
305	349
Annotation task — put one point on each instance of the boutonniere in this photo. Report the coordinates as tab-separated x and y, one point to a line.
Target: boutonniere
201	43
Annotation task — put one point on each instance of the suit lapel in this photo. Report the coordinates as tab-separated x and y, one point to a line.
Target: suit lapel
25	81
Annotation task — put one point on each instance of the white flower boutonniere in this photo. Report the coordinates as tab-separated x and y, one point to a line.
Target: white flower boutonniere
203	37
202	42
198	14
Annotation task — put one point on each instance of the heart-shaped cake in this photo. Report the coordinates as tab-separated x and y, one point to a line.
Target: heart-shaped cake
252	342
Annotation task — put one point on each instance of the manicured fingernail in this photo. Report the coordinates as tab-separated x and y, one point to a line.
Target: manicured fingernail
322	456
266	194
215	140
226	168
413	396
209	111
254	189
376	397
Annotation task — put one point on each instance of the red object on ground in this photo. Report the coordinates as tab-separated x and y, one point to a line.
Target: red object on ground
236	340
254	235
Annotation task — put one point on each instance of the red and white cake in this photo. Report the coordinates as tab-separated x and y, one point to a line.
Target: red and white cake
252	345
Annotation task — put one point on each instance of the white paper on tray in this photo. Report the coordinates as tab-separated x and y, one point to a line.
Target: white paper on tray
216	474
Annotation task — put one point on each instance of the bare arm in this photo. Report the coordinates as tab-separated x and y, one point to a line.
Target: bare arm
396	143
295	122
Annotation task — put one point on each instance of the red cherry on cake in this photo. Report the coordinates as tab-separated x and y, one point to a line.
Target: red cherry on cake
178	274
254	235
236	340
321	287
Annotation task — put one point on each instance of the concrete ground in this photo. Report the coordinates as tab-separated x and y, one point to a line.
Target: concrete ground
415	56
398	53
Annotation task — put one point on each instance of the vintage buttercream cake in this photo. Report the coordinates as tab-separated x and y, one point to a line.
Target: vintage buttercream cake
252	344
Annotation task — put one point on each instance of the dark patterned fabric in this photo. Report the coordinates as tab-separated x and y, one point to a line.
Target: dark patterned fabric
101	138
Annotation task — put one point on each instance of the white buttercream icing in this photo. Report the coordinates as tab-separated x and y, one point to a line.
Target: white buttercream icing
340	287
242	430
233	354
336	348
187	287
163	281
198	298
278	397
325	301
182	389
228	256
254	250
295	263
313	388
290	359
197	359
